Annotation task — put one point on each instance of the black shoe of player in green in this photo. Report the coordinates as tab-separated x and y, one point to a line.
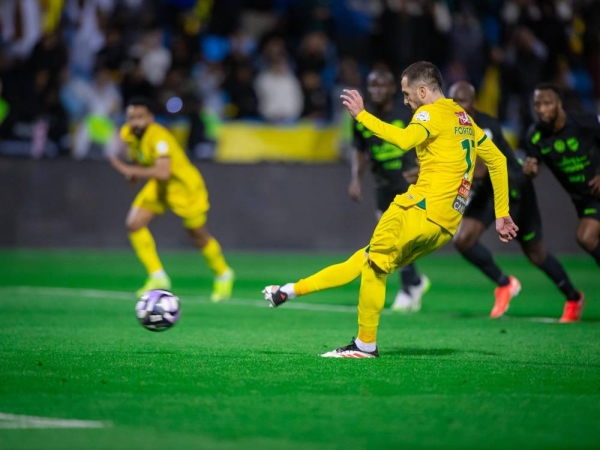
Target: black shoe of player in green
274	296
351	351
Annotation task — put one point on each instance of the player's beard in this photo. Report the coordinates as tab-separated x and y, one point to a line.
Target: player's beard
138	131
549	125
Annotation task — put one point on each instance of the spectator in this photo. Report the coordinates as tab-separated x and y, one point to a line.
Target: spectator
279	93
49	59
113	53
89	18
21	25
155	58
316	99
524	64
134	84
101	104
240	88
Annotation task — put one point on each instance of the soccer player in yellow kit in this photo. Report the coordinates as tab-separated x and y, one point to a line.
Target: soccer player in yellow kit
424	218
173	183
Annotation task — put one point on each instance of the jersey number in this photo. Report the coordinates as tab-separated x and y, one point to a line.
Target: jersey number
467	145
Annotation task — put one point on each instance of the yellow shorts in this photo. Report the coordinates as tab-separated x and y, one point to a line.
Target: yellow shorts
403	235
190	205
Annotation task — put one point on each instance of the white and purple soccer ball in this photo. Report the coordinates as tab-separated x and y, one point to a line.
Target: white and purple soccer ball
158	310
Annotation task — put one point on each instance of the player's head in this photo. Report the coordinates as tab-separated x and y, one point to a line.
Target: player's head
547	104
139	115
421	84
463	93
381	86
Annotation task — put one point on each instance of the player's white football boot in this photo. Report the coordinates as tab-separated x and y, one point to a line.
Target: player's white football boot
274	296
351	351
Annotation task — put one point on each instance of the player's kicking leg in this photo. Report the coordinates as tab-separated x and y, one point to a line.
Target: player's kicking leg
330	277
210	248
145	248
467	243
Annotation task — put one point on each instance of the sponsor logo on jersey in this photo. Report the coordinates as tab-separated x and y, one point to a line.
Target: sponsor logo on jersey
465	187
463	119
423	116
460	203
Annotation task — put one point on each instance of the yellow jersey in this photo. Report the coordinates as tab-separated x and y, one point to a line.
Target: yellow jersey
158	142
447	142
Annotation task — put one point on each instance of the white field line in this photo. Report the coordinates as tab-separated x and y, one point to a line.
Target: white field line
292	304
122	295
15	421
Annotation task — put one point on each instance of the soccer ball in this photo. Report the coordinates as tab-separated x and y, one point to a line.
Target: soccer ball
158	310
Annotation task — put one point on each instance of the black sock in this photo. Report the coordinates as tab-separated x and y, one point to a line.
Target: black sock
481	258
556	272
596	254
409	277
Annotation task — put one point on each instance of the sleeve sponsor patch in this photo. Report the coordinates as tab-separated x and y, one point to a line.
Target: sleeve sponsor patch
423	116
162	148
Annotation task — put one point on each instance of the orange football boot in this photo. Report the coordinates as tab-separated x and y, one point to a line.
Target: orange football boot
504	295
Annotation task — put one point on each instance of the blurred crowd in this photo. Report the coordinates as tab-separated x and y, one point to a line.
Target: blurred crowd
67	67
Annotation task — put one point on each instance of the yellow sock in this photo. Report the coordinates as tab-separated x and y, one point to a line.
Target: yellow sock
370	303
214	257
332	276
145	248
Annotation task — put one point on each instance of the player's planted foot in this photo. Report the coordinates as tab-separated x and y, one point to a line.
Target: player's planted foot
573	310
222	287
504	295
155	282
275	296
351	351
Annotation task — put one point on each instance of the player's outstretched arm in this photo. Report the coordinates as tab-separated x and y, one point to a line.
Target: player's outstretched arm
496	164
403	138
161	170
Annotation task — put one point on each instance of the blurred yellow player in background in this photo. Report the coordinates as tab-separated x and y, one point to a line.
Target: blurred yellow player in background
173	183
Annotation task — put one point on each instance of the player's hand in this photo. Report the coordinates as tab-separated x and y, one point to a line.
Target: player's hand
411	176
133	181
355	191
119	165
353	101
530	167
506	229
595	184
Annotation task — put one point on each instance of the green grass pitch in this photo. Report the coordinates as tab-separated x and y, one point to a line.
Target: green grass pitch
239	375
